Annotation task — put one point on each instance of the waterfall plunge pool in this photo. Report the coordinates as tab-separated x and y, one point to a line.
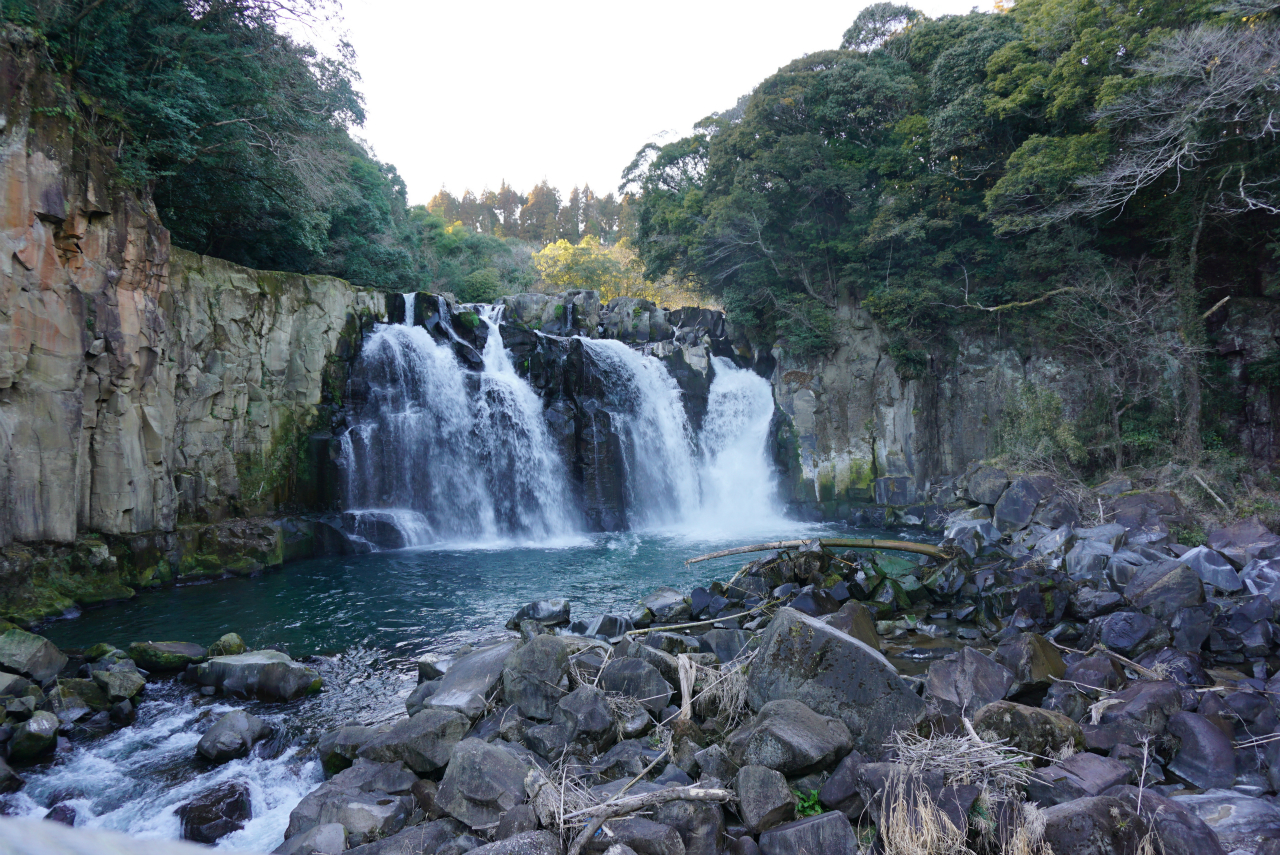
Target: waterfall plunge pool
365	619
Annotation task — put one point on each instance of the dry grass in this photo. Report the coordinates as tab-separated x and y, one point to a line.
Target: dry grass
911	824
724	692
964	759
1026	834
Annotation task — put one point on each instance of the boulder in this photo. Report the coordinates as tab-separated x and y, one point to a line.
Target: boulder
73	699
725	644
424	742
119	684
828	833
788	736
665	605
230	644
700	824
327	839
528	843
1102	825
1204	757
470	680
545	612
642	836
1016	506
1139	710
268	675
535	676
232	736
987	485
1130	634
637	679
1079	776
338	748
30	655
1031	729
1177	829
967	681
1161	589
585	715
359	798
216	812
1239	821
33	737
840	791
855	619
166	655
833	674
1213	568
1034	662
1088	558
10	781
764	799
481	782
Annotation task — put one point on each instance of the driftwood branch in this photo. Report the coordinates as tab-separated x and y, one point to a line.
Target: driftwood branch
672	627
827	543
622	807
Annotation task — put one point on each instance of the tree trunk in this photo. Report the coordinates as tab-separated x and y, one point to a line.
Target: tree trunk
1192	330
1119	439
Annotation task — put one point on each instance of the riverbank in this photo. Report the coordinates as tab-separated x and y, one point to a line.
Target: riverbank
1030	686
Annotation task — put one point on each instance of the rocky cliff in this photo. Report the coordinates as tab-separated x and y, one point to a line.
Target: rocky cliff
141	386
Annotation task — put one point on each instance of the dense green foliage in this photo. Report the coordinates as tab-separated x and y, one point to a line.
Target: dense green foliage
932	171
243	136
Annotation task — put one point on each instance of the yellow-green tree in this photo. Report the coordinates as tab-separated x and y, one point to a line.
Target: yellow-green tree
613	271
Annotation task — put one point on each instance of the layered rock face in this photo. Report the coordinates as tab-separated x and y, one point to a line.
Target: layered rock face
864	430
138	383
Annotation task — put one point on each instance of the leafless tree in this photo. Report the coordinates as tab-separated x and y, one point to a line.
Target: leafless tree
1122	327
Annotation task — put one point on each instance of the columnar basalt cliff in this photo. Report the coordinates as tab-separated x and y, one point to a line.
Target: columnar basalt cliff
141	386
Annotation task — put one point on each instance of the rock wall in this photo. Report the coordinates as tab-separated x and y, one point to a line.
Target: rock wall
858	432
142	386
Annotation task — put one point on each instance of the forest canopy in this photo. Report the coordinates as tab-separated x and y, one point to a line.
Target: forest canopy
247	141
958	171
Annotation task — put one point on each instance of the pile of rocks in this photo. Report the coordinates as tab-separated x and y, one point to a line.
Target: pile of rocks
1129	682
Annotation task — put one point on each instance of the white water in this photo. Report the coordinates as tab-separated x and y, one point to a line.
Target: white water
739	484
134	779
442	455
434	460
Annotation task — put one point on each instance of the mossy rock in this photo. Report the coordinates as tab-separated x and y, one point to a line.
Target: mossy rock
99	650
166	655
230	644
469	320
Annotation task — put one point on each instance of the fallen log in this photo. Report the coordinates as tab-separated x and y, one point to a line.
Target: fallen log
834	542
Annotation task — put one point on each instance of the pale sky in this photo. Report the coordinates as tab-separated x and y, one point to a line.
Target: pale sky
464	94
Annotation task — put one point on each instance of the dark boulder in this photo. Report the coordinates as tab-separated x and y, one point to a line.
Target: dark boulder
30	655
268	675
1102	825
764	798
423	742
1031	729
481	782
1204	756
828	833
788	736
639	680
166	655
545	612
1161	589
535	676
232	736
215	813
833	674
966	682
1017	505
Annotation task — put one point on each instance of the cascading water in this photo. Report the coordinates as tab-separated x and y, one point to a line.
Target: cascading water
658	446
739	485
443	454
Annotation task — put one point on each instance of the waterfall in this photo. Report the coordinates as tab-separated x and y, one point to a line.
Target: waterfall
718	482
448	445
439	454
658	446
739	485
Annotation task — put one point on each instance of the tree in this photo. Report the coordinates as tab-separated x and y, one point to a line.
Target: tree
876	24
538	216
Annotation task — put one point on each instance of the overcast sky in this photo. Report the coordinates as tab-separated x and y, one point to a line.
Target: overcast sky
465	94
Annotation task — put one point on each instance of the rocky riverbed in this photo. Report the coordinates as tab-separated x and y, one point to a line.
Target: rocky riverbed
1048	687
